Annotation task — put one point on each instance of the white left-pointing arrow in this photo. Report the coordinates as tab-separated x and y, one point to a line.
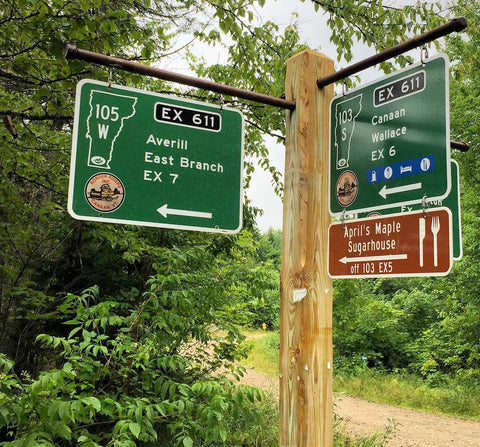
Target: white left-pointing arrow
345	260
165	211
384	192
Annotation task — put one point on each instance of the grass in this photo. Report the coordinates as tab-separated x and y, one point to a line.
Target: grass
265	433
406	391
263	354
264	358
341	438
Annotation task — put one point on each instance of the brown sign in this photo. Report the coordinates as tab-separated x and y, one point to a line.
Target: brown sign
407	244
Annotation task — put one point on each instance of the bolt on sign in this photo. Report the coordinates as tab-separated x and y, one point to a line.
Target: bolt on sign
390	140
143	158
405	244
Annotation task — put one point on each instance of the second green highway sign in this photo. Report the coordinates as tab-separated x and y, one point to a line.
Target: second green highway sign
390	140
143	158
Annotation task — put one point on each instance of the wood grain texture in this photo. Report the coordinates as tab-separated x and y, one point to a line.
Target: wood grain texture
306	353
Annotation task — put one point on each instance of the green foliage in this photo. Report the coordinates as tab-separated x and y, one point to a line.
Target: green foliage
270	248
377	23
46	253
264	353
341	437
263	356
118	335
435	321
265	306
449	344
453	398
368	326
142	375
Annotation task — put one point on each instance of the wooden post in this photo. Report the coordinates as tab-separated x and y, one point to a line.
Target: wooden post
306	353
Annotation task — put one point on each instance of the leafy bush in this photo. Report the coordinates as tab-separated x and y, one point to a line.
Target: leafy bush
135	377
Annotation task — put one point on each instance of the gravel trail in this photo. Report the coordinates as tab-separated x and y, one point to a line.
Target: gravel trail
412	428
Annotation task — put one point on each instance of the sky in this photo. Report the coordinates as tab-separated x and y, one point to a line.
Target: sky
315	33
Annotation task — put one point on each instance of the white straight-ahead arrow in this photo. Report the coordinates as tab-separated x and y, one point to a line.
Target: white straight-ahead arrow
384	192
165	211
346	260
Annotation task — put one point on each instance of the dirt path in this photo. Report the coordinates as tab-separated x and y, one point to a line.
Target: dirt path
411	428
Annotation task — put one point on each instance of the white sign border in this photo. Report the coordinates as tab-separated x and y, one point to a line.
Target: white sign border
71	181
399	275
447	149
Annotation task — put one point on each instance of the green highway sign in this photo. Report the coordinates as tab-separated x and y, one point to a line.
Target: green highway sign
390	140
143	158
452	202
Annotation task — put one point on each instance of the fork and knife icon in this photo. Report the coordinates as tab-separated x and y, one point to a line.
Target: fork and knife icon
434	228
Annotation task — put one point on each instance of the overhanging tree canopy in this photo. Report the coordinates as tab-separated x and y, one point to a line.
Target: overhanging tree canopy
157	289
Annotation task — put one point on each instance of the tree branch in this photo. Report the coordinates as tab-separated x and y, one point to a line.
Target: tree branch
46	117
